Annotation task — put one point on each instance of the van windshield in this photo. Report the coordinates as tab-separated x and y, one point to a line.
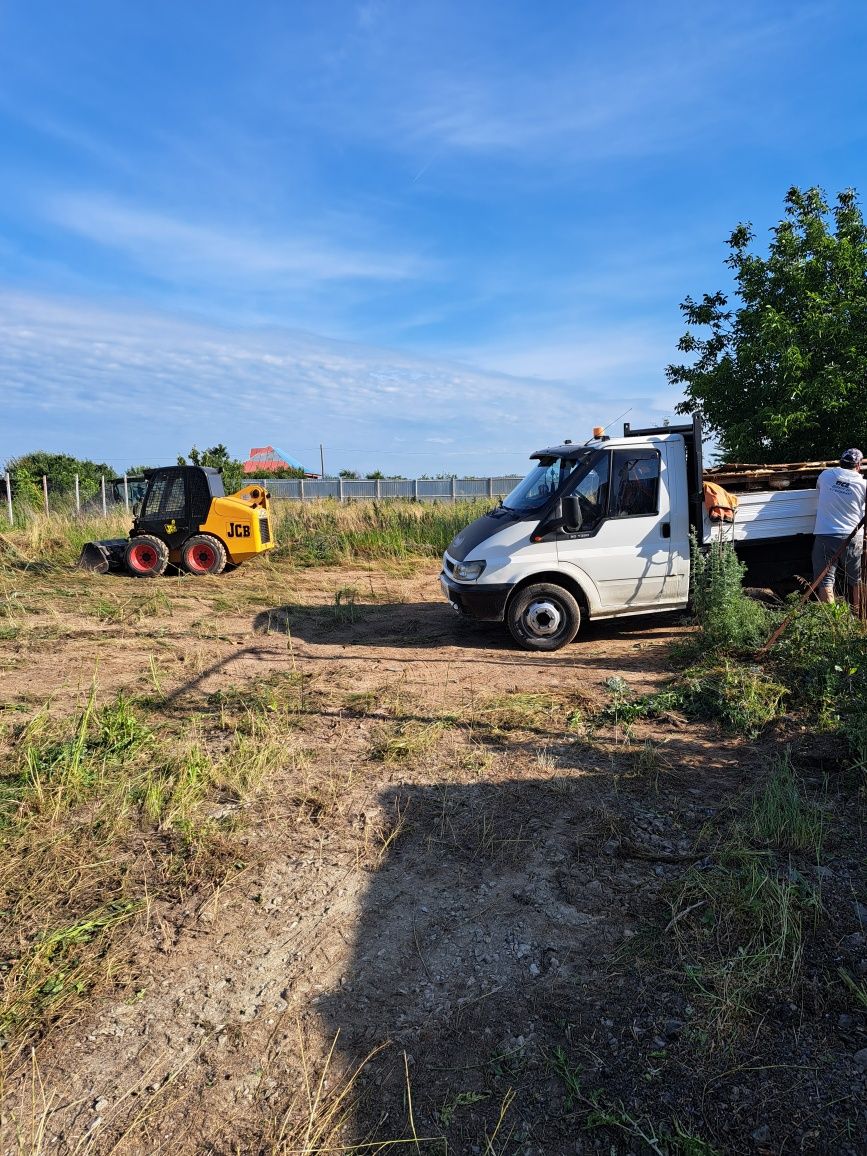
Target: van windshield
542	482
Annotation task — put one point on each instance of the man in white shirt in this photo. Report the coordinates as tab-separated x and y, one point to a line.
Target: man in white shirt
842	492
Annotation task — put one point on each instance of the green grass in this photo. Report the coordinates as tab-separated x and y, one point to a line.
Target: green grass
740	928
405	742
823	658
780	816
857	990
63	963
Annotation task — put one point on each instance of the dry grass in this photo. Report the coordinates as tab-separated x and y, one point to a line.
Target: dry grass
406	742
322	532
98	815
539	712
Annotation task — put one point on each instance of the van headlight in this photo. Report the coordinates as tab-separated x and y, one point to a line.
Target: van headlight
468	571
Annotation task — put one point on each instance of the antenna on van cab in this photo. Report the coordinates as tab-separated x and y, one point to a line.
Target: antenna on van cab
601	431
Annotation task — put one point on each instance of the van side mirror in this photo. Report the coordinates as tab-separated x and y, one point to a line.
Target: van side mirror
572	516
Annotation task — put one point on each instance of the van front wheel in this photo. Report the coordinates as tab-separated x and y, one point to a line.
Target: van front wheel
543	617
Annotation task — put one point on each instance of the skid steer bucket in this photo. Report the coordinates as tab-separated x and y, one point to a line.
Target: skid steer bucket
100	557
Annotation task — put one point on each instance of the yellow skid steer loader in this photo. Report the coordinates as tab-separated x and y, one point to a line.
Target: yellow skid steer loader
187	520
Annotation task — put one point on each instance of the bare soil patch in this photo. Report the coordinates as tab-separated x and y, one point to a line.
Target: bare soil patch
450	864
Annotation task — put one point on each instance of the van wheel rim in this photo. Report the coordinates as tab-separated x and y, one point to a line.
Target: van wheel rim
543	618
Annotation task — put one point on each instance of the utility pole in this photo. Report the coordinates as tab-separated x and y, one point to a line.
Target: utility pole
322	461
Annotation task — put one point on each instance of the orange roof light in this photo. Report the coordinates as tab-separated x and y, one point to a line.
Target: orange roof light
598	431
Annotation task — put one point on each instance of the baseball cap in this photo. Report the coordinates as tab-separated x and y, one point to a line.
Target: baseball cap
852	457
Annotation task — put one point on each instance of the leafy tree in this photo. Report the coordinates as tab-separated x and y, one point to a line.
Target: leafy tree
782	376
233	469
60	469
349	475
218	458
288	472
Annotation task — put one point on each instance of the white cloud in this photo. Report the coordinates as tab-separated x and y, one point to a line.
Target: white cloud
609	353
123	385
170	247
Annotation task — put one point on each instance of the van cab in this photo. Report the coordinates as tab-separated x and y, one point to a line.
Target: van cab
602	530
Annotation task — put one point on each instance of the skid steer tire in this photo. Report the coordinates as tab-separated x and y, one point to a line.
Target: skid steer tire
203	554
146	556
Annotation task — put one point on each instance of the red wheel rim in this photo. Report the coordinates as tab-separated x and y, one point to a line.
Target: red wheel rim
201	558
143	557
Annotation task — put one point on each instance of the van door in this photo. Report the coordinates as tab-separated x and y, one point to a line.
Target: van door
624	546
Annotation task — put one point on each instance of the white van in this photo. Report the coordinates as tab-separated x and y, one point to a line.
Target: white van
602	530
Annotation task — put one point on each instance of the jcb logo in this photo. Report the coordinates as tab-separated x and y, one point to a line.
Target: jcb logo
236	530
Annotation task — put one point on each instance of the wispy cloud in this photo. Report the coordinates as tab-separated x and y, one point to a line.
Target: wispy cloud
668	81
169	247
120	384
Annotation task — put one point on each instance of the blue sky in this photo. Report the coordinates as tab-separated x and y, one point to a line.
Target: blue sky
431	235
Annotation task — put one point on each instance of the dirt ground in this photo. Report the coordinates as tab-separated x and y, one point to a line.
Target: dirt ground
454	873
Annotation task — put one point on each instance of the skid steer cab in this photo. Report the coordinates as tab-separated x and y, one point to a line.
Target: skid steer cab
187	520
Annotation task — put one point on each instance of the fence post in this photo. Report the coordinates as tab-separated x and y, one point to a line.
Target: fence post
378	488
454	489
340	489
490	487
126	492
415	489
9	497
45	492
302	489
77	496
104	503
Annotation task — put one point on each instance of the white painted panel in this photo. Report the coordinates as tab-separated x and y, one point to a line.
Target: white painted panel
770	514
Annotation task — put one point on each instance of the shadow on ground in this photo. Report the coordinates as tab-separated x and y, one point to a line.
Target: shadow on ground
426	625
514	949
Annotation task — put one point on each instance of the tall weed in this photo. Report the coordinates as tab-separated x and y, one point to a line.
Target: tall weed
317	533
729	620
823	658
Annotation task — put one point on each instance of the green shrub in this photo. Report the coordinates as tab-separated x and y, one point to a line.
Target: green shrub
729	620
823	657
740	698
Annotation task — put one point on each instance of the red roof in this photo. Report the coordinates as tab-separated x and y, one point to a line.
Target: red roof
266	459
